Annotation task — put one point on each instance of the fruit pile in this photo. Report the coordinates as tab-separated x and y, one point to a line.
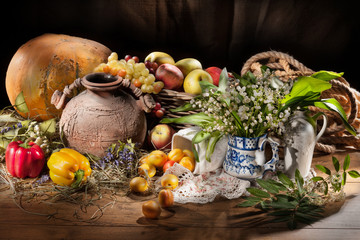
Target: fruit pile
159	70
183	75
130	68
157	162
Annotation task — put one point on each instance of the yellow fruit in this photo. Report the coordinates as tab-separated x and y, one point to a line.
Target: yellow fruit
187	65
169	181
166	198
191	81
176	155
143	160
157	158
160	58
189	154
138	184
188	163
147	168
151	209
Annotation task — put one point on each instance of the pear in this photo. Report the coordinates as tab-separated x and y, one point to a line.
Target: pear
187	65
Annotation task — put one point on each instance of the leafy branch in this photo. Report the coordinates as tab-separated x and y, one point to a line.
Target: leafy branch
298	201
284	200
336	180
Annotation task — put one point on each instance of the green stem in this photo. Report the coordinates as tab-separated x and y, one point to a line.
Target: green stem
79	175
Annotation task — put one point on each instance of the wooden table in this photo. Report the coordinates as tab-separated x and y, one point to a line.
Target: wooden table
122	218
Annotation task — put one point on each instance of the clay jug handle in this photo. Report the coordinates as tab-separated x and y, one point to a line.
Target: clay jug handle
59	98
323	128
145	102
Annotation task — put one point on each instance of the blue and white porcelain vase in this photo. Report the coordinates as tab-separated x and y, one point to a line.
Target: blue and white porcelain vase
245	157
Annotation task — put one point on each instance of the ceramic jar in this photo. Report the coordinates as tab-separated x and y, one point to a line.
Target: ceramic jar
102	114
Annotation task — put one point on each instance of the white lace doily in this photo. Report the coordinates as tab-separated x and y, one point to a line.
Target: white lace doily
205	187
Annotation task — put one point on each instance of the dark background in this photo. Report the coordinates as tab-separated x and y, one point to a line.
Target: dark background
324	35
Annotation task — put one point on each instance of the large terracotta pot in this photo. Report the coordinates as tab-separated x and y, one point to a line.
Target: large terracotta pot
102	114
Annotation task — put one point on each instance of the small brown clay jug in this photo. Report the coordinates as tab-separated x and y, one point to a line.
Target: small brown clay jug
103	113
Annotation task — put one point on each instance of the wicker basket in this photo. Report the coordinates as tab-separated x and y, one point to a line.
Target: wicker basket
170	99
286	67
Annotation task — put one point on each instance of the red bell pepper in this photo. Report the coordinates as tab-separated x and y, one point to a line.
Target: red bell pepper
24	160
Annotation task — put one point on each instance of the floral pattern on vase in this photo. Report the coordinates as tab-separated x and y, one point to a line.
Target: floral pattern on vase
245	157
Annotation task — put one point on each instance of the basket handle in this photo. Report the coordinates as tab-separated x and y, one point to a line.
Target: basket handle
285	60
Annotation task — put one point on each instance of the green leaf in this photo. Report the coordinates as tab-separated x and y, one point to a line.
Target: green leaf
247	204
282	205
4	142
285	198
299	181
333	105
315	214
200	136
8	118
267	186
336	163
346	162
281	213
198	119
238	123
305	218
48	127
215	137
317	179
253	199
326	188
310	209
196	154
323	169
285	180
223	80
301	101
306	84
184	108
278	185
326	75
276	83
205	86
258	193
343	181
20	103
354	174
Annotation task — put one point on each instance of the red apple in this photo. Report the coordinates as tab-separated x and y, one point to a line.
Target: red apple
168	164
215	74
161	136
170	75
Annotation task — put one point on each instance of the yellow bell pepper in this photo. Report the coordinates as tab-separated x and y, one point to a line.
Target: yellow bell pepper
68	167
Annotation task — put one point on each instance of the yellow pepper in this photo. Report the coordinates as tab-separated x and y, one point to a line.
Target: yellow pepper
68	167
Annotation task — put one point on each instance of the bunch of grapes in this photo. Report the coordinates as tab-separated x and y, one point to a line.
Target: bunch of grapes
130	68
152	66
158	111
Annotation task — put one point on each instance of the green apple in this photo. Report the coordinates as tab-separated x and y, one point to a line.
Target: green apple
191	82
187	65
